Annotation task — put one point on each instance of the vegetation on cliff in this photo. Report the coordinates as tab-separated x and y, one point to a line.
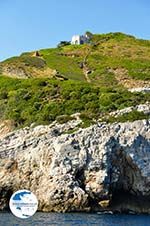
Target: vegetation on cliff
91	79
42	100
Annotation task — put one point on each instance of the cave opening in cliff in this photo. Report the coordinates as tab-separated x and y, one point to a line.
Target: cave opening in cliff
124	201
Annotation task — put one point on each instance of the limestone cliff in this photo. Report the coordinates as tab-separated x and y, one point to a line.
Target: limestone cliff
103	167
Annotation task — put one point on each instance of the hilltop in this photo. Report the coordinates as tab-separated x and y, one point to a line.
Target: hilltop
93	79
108	59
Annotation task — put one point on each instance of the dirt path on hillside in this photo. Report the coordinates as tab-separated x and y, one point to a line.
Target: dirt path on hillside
86	69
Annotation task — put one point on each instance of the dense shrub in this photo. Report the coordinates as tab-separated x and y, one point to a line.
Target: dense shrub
44	100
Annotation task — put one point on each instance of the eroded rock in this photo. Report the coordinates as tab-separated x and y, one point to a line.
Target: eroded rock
103	167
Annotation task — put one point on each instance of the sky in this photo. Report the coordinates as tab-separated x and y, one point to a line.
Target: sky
27	25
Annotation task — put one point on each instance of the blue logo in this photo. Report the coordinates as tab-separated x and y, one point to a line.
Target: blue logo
23	204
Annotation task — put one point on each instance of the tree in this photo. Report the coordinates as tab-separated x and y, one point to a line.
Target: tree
89	34
63	43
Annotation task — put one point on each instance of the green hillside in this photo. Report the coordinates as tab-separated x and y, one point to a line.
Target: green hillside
109	58
91	79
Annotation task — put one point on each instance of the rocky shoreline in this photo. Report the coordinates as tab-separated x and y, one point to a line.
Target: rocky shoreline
105	167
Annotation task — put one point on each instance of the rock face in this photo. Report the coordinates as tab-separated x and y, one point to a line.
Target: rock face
140	89
145	108
103	167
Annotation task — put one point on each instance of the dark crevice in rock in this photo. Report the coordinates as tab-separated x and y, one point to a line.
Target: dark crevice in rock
79	176
5	194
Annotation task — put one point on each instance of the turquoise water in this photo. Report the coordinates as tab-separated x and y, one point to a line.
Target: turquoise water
75	219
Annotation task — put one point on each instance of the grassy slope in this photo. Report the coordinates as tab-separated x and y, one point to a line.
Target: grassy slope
121	51
67	66
106	54
42	100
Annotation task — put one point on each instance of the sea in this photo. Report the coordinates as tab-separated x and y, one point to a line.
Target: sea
75	219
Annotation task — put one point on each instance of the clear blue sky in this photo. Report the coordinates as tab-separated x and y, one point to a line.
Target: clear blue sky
33	24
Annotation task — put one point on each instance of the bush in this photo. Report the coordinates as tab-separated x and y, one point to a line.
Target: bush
3	94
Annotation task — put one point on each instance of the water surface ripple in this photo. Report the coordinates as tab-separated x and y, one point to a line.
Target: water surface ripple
75	219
